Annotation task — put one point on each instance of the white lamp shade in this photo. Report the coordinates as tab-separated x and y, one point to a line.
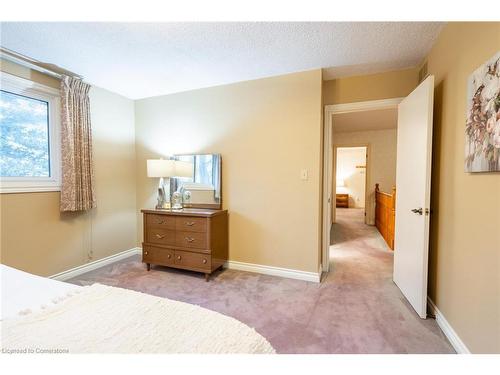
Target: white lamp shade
183	169
169	168
160	168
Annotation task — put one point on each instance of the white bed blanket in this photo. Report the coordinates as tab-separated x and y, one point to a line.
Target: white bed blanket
104	319
22	291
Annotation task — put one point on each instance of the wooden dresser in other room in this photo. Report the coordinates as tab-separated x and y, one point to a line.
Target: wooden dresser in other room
342	200
191	239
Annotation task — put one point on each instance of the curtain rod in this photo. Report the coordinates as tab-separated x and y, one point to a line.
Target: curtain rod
49	69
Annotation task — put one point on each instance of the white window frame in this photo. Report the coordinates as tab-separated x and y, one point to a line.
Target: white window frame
30	89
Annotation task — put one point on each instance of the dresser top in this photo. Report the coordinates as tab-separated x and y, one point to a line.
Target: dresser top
202	212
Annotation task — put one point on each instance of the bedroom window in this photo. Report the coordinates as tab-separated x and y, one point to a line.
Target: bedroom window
29	136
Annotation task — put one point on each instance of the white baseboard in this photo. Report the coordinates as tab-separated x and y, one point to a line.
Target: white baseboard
240	266
447	329
65	275
274	271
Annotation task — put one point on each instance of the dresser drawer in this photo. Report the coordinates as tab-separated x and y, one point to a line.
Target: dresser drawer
161	221
157	255
191	224
160	236
192	260
191	239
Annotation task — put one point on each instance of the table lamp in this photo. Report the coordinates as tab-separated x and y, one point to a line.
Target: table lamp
165	169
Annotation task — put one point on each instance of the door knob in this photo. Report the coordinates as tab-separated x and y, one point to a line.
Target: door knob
418	211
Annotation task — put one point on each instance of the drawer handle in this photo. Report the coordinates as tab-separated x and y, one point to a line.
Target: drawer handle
169	256
179	257
145	253
160	221
159	236
189	223
189	239
204	261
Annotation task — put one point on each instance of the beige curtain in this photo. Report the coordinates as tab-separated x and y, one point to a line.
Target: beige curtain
77	192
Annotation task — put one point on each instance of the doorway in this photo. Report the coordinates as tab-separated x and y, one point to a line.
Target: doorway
342	119
350	171
411	209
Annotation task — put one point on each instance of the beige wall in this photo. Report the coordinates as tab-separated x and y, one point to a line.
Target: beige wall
465	227
381	161
37	238
267	130
395	84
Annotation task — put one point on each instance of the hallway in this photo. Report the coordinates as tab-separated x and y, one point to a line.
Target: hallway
361	266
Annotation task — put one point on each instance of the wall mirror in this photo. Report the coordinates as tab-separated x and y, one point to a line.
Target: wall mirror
203	189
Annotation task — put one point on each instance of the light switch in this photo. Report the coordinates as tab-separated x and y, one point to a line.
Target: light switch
303	174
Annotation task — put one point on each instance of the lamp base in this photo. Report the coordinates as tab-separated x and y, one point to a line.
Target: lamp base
163	200
164	206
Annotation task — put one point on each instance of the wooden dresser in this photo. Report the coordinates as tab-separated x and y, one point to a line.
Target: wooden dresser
191	239
342	200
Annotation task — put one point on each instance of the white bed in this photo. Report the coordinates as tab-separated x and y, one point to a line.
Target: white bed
22	291
44	314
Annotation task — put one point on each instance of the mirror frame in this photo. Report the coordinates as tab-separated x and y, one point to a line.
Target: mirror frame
213	206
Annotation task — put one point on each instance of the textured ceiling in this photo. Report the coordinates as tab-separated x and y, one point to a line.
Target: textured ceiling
366	120
140	60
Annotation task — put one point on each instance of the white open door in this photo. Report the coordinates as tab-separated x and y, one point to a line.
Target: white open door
413	184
